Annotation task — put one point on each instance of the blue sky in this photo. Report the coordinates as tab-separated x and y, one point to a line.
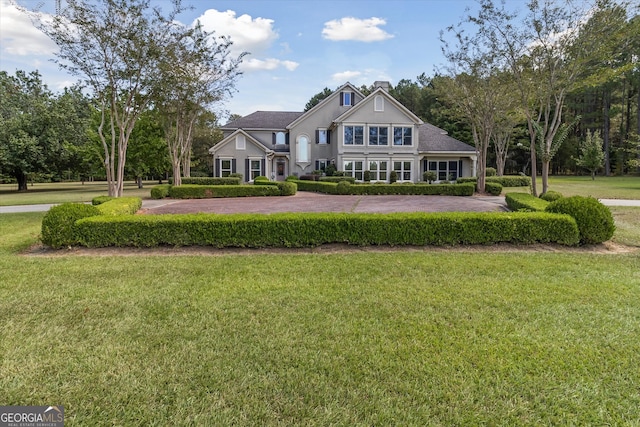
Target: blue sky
296	48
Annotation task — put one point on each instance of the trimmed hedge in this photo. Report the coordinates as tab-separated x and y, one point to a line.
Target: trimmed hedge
120	206
505	180
312	229
337	179
286	188
519	201
192	191
551	196
344	187
229	180
59	223
160	191
595	221
100	200
493	188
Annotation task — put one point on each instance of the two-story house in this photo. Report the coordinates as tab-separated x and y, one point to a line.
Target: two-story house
347	129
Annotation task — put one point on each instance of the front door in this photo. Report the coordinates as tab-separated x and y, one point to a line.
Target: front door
281	172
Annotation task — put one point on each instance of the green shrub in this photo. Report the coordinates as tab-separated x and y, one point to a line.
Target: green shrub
505	181
121	206
490	171
317	186
551	196
393	177
228	180
312	229
160	191
367	176
58	224
260	178
343	187
236	175
337	179
429	176
100	200
287	188
211	191
493	188
401	188
594	219
524	201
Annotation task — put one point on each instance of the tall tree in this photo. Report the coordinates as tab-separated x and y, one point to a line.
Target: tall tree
315	99
591	154
115	46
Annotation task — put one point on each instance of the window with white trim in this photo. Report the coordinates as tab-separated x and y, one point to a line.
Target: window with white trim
226	167
378	170
321	164
281	138
402	136
241	142
378	103
403	169
378	135
255	168
445	170
353	135
354	168
322	136
303	149
346	98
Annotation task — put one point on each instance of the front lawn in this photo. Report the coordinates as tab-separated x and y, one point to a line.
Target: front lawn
362	338
614	187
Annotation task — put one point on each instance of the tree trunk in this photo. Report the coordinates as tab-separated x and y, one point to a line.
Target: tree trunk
606	101
139	181
534	160
22	180
545	175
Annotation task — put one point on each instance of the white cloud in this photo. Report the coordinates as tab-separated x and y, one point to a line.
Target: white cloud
254	64
363	30
19	36
345	76
364	77
247	34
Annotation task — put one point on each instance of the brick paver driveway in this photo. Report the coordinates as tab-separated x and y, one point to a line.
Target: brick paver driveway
315	202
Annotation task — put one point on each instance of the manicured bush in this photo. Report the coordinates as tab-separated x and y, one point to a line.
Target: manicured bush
493	188
595	221
393	176
227	180
551	196
58	224
490	171
399	188
309	177
429	176
121	206
100	200
260	178
525	201
337	179
317	186
160	191
212	191
312	229
505	181
286	188
343	187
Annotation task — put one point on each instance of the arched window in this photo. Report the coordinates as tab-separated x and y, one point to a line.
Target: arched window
280	138
378	103
303	149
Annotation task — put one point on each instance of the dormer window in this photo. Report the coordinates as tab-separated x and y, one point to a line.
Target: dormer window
346	98
280	138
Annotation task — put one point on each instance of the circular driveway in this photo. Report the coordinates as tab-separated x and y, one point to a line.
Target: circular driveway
316	202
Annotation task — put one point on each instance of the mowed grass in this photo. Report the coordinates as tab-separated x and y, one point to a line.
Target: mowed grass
614	187
363	338
62	192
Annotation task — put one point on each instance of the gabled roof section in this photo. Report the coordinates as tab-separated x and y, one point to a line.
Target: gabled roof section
232	138
328	99
372	95
434	139
266	120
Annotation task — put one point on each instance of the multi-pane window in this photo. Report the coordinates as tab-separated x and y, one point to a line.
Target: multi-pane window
403	169
226	167
255	168
354	168
353	135
402	136
378	170
445	170
378	135
322	136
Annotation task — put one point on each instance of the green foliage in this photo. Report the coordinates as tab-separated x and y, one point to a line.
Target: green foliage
330	170
100	200
490	171
337	179
192	191
429	176
58	224
551	196
367	176
286	188
505	180
345	187
160	191
493	188
591	153
393	177
312	229
525	201
317	98
594	219
230	180
260	178
120	206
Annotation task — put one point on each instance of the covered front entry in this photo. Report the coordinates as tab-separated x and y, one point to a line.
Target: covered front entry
280	168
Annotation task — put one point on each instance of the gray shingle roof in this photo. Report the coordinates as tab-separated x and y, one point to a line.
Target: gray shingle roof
433	138
264	120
